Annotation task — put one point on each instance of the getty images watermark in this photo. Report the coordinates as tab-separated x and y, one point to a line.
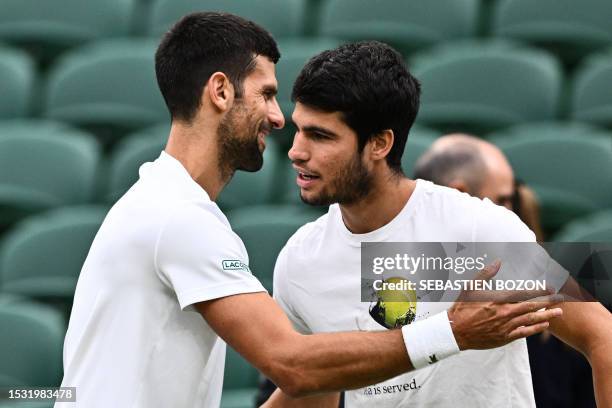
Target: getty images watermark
423	264
406	281
439	271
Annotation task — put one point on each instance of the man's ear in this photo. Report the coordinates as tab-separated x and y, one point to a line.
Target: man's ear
380	144
219	91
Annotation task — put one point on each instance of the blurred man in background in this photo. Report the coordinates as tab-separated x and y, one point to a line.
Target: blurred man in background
479	168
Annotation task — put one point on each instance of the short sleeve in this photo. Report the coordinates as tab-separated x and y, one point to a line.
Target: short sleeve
281	288
200	258
522	257
495	223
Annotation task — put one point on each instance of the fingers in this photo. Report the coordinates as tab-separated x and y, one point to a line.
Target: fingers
489	271
543	302
533	318
527	331
512	296
505	296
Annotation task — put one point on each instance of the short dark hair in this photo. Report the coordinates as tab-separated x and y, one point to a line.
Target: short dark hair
369	84
461	161
200	44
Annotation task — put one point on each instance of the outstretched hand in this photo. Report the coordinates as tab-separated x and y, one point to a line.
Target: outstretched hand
485	319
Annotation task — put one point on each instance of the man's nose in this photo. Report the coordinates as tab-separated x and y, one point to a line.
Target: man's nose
275	116
298	151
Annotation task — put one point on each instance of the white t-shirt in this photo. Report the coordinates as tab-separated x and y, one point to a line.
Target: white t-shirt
317	281
134	338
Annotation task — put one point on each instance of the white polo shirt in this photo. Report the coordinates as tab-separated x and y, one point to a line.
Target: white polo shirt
134	338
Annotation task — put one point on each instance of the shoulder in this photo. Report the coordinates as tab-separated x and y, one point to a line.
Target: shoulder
193	221
445	200
193	234
461	212
495	223
137	218
443	213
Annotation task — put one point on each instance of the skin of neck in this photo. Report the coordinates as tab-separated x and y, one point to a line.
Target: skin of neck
389	194
194	144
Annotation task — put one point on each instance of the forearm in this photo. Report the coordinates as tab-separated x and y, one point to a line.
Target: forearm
587	327
601	362
299	364
333	362
303	365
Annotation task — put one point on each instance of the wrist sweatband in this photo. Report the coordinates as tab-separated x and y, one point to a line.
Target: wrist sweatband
429	340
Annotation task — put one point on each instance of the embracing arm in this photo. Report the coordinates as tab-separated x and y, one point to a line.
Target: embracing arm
587	327
301	365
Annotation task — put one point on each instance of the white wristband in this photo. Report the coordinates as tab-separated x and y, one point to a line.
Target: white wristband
429	340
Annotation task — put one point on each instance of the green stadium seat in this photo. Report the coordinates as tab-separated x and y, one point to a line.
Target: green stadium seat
46	27
42	256
129	154
17	75
477	87
294	55
420	139
407	25
313	16
283	18
29	404
9	298
568	166
144	146
569	28
30	345
43	165
276	224
242	398
592	93
107	84
239	381
592	228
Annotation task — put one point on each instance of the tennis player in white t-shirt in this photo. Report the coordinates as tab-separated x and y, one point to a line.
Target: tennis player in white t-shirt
354	108
166	282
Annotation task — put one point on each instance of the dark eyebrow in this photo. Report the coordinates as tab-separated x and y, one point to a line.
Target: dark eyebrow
270	89
319	129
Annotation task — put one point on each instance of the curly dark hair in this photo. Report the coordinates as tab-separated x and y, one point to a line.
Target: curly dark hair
200	44
369	84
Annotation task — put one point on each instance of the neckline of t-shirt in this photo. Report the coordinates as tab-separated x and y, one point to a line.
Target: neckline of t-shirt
380	233
176	166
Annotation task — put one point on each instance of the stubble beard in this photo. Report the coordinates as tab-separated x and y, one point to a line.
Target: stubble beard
352	183
237	142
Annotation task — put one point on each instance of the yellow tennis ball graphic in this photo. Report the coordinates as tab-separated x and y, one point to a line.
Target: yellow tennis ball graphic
396	304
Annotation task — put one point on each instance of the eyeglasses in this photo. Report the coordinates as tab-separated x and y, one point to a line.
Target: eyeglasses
515	198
